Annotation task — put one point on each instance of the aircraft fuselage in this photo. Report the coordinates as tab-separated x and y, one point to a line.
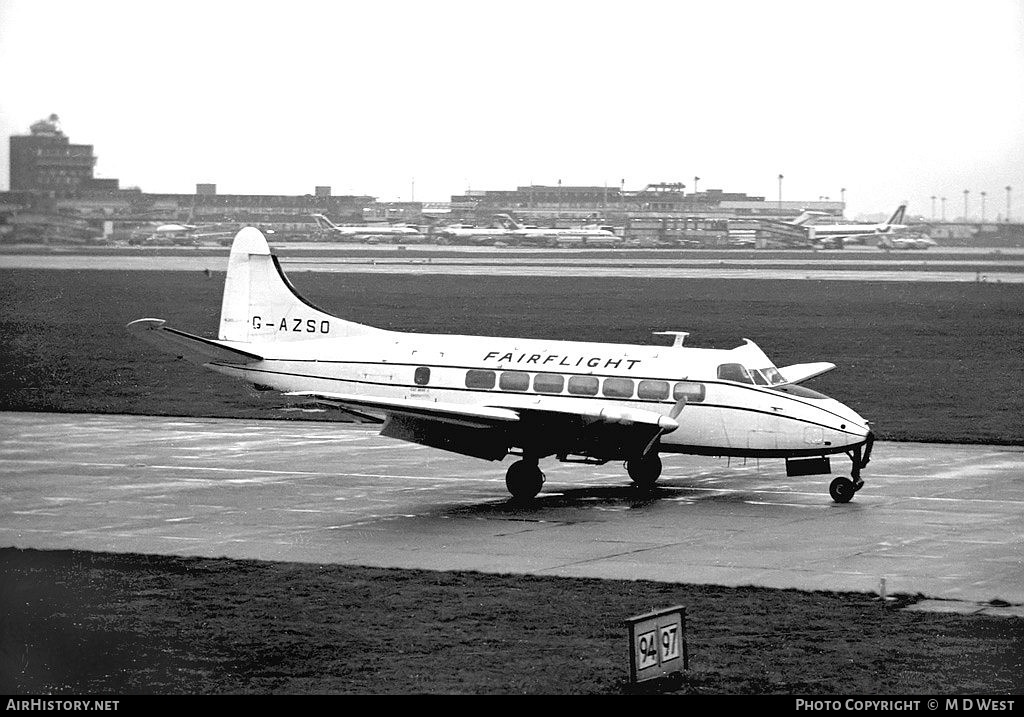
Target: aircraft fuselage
600	381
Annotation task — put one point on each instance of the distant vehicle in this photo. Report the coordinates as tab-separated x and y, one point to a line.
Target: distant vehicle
828	236
490	397
550	236
396	233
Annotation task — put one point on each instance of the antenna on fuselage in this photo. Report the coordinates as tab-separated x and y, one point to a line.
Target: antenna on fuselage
678	336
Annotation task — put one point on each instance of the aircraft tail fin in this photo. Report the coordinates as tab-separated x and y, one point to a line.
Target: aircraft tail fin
806	216
897	217
323	222
508	222
260	303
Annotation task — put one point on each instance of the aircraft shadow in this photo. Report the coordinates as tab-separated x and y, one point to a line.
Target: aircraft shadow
626	497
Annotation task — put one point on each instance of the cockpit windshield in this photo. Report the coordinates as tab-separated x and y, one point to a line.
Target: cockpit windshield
741	374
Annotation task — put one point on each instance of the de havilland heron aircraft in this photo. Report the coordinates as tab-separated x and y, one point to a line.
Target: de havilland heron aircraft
490	397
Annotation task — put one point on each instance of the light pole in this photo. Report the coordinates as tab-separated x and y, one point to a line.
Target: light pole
933	207
943	199
983	207
966	192
1008	188
780	195
695	180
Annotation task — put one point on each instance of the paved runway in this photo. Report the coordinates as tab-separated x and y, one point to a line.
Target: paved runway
880	268
946	521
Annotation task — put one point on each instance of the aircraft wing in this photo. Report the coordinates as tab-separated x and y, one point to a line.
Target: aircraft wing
186	346
453	413
488	431
800	372
489	416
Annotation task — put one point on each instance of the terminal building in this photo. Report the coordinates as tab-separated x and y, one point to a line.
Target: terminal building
54	196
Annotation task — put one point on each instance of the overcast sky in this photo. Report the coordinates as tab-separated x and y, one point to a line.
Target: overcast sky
890	100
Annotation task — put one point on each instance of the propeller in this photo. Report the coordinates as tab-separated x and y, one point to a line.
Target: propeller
673	414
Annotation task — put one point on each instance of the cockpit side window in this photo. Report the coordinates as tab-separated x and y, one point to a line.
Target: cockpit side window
734	372
772	374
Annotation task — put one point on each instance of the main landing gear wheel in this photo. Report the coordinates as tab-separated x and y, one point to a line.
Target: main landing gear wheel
644	472
842	489
524	479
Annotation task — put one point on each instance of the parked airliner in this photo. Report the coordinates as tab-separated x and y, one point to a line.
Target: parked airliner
458	234
393	232
839	235
490	397
591	236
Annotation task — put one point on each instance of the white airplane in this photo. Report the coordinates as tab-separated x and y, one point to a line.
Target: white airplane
472	235
806	216
394	232
839	235
549	235
489	397
185	234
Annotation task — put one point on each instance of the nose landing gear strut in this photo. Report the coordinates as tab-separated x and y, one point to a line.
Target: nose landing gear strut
842	489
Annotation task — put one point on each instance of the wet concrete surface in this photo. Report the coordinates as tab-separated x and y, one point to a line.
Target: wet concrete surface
944	521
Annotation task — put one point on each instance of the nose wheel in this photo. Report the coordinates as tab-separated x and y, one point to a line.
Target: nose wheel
842	489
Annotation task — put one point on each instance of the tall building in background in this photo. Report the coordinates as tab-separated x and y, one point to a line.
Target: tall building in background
46	162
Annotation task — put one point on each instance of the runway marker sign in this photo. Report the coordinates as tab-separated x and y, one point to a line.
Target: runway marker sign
657	643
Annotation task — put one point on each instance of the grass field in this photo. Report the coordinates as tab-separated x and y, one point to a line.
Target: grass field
929	362
922	361
84	623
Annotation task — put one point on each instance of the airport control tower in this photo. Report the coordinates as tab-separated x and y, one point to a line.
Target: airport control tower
46	162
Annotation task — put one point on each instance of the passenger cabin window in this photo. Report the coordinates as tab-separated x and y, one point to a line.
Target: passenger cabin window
692	392
654	390
734	372
422	376
548	383
583	385
514	381
618	387
479	379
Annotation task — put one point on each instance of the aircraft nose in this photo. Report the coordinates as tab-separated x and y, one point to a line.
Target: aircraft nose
852	422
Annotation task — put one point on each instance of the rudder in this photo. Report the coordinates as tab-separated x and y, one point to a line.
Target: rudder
260	304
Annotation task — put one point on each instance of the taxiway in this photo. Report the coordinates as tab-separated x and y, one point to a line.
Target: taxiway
945	521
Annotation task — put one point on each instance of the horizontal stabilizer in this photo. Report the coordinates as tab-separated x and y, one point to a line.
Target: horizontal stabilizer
187	346
800	372
454	413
